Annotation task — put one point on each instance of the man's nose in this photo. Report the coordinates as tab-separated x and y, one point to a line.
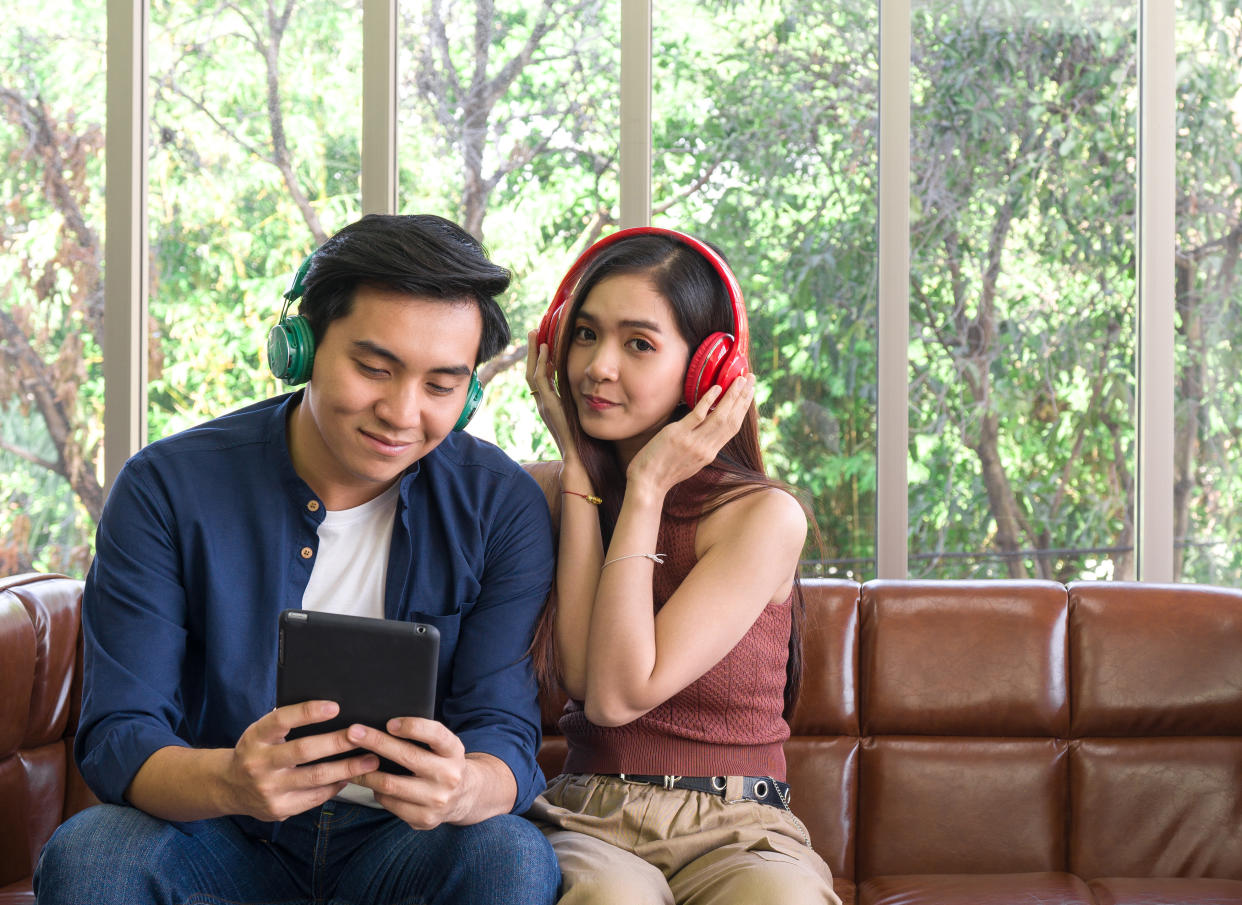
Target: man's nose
402	406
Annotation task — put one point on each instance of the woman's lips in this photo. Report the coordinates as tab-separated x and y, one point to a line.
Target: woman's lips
598	403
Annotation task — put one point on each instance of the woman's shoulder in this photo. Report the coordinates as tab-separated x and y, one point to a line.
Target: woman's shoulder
767	509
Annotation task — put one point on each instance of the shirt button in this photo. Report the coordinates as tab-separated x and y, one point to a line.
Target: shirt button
307	552
313	505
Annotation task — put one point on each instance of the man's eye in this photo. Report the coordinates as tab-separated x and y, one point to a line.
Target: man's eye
437	390
370	371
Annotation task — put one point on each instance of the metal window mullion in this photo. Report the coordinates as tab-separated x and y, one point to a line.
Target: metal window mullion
125	245
379	106
635	139
893	425
1156	243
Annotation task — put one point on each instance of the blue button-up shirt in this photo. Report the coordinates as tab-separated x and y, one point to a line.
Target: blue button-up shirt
207	535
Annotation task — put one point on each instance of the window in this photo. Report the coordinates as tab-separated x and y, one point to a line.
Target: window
1022	305
1025	258
254	162
764	133
52	97
1207	524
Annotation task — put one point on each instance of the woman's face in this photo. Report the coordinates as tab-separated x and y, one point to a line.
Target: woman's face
627	362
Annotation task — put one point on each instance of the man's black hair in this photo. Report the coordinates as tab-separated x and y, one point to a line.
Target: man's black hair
419	254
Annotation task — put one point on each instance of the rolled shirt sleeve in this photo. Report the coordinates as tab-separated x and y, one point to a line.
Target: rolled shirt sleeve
134	638
492	703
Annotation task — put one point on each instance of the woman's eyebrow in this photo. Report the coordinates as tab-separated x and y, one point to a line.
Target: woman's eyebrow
650	326
632	323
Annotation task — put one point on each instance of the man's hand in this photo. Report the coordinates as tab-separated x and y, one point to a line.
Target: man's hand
446	784
264	776
271	779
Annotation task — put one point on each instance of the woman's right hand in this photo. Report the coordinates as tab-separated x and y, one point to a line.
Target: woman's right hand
543	390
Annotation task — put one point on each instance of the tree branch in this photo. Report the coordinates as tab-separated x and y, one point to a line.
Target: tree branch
28	456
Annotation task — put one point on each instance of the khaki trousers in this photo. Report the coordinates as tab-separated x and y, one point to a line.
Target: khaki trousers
624	843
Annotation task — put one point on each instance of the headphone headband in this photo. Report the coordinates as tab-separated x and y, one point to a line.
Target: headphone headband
291	347
719	359
570	281
297	284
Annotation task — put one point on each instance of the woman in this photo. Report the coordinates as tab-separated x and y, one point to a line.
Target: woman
676	587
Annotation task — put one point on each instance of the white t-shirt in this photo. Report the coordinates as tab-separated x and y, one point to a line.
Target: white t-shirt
350	571
352	563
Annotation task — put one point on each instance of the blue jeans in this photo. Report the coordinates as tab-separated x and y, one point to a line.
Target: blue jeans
337	854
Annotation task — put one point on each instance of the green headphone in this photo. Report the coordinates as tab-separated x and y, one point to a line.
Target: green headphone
291	348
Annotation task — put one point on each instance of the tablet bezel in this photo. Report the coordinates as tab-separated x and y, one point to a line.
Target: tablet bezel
375	669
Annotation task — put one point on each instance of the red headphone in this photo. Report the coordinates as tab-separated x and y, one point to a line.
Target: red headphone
719	359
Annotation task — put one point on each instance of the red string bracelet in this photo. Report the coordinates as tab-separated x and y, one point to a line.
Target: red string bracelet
589	497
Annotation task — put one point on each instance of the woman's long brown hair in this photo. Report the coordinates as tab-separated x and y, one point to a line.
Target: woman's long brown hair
701	307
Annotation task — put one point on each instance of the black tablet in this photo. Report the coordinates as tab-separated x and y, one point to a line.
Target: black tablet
375	669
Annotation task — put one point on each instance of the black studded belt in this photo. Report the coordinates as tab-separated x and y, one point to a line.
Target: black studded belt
763	789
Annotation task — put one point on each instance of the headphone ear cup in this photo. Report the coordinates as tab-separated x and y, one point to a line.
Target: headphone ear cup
291	350
734	366
705	366
474	395
548	328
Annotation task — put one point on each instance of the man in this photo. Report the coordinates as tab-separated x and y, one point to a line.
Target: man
354	494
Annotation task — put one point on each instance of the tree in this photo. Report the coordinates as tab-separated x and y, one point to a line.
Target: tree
51	314
1023	328
521	102
1209	295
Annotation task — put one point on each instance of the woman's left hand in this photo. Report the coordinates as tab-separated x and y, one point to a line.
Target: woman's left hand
684	446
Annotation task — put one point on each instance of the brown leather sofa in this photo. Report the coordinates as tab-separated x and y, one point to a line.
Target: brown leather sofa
956	742
40	692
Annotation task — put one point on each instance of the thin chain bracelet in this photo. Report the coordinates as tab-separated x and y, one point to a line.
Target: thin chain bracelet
657	558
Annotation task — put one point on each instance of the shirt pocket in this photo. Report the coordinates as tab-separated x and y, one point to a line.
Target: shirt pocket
449	627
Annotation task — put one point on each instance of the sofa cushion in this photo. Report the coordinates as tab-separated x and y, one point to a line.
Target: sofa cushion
964	658
17	894
1160	891
828	700
961	805
17	668
845	890
823	782
1155	660
54	607
965	889
39	650
1156	807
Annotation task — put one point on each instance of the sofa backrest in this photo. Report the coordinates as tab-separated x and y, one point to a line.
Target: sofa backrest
965	715
1016	726
1155	780
40	658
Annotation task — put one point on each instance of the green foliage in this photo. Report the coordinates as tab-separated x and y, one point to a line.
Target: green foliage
1023	275
51	390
